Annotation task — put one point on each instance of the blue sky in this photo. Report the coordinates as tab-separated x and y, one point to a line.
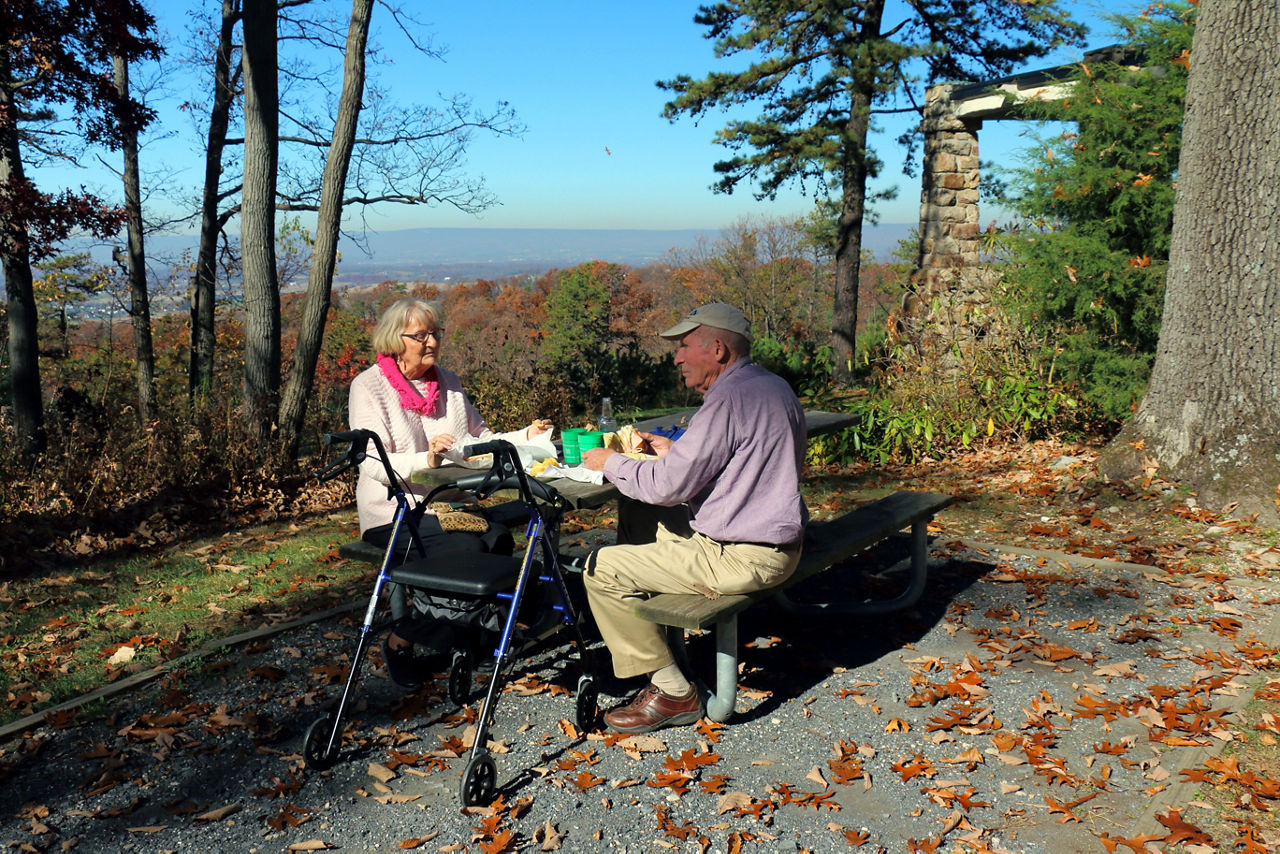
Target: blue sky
597	152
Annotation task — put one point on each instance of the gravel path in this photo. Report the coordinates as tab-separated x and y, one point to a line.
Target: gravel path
1027	705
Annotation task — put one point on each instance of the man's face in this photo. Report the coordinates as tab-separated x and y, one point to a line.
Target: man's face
699	359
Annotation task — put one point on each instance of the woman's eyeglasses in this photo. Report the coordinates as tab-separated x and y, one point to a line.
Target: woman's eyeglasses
421	337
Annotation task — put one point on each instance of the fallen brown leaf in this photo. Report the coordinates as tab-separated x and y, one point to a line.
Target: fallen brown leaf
414	842
381	773
218	814
733	801
548	837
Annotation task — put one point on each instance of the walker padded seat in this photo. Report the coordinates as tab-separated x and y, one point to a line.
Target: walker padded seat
513	514
460	573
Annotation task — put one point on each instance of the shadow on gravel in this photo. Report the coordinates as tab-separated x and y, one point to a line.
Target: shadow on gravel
783	656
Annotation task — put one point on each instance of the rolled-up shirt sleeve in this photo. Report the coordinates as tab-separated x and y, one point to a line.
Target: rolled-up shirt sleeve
687	470
737	466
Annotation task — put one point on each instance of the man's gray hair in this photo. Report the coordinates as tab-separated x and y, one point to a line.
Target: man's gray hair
739	345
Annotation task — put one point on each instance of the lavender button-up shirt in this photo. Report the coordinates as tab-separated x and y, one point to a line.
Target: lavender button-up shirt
737	465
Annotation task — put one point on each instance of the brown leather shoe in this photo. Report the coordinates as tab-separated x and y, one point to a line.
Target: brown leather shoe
652	709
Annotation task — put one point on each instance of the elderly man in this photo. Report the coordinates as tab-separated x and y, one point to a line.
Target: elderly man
737	467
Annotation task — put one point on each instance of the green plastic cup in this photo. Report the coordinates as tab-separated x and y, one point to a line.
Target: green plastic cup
590	439
569	445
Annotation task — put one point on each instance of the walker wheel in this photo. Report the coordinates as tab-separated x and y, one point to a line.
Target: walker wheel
588	704
461	678
315	745
479	781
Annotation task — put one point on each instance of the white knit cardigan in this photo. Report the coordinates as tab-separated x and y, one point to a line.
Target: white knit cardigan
375	405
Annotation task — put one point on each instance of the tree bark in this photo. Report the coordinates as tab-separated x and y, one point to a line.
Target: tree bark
853	203
324	248
844	317
139	301
257	221
15	255
1211	414
200	373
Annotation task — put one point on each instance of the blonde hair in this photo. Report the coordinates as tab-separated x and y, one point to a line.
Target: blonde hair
395	319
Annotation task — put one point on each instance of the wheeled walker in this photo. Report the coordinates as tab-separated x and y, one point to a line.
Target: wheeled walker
479	575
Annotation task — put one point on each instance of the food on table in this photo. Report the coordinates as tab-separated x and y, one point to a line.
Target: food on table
541	466
626	441
479	460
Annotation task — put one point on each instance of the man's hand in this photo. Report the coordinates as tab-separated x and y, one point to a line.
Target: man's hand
659	445
594	458
538	427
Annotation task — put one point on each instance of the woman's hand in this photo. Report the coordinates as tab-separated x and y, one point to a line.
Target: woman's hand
538	427
438	446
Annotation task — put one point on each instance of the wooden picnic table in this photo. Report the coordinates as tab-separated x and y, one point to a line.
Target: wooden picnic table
583	496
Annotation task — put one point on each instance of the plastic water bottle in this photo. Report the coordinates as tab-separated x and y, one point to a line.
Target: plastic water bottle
607	424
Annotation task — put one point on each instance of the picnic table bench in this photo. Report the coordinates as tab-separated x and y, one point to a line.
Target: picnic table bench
826	543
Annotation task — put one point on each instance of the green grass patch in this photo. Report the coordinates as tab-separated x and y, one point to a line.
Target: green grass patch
60	632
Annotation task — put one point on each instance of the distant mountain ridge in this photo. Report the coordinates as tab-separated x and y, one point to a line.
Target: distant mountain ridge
465	254
469	253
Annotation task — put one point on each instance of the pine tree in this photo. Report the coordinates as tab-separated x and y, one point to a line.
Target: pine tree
1097	201
824	69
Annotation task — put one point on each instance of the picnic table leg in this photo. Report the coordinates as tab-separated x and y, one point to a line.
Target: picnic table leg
720	704
399	604
905	599
720	701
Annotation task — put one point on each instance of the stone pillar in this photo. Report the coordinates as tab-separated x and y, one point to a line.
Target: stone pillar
947	314
949	230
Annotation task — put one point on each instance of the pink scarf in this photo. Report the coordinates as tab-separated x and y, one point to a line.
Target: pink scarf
410	399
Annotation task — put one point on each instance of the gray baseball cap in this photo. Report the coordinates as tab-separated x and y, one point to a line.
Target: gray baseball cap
721	315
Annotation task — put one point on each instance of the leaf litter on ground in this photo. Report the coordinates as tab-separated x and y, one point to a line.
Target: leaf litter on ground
1081	682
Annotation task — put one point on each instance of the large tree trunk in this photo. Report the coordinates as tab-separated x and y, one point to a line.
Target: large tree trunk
324	250
1211	414
139	301
853	178
200	373
15	255
844	320
257	221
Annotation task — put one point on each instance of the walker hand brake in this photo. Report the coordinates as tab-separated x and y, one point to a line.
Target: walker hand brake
355	455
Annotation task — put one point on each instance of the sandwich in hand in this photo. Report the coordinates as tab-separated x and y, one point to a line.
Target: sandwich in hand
628	441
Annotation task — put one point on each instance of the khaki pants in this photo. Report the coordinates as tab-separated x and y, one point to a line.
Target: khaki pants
617	576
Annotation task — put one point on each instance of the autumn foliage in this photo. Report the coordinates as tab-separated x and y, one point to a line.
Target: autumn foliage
549	346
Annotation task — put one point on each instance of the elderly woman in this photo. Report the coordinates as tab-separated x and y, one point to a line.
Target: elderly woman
424	418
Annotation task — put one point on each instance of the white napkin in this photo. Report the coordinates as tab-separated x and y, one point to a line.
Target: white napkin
578	473
536	450
533	450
